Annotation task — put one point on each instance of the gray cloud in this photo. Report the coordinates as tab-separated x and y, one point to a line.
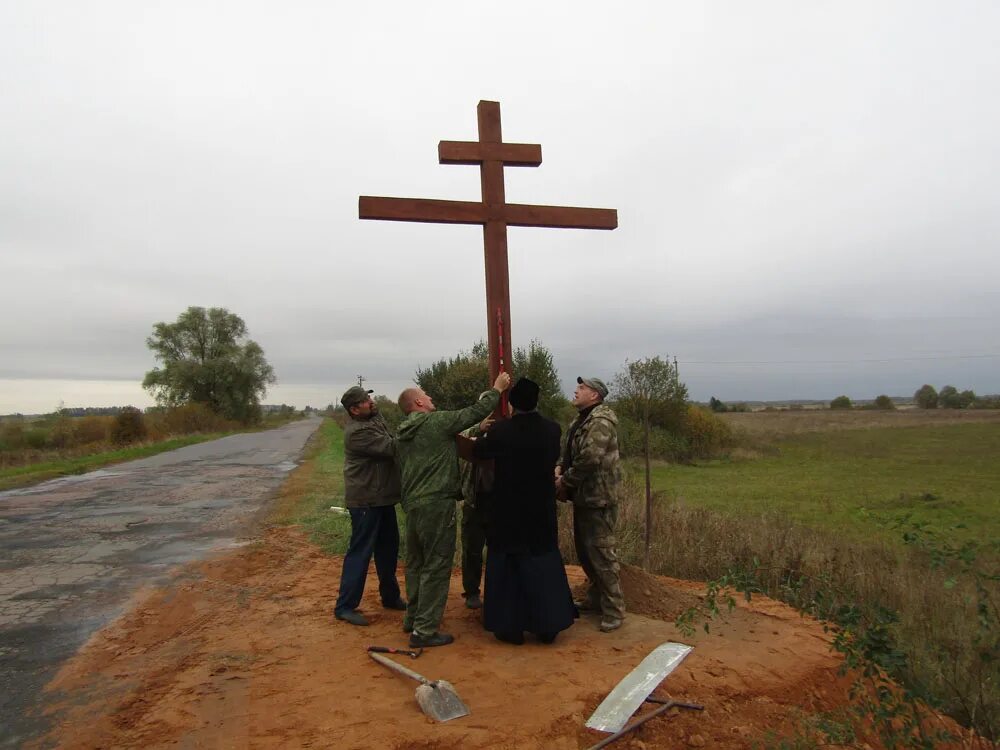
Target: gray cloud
809	188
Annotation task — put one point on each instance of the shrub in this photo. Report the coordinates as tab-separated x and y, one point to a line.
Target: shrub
699	434
12	436
93	429
841	402
926	397
61	433
129	427
884	403
36	438
183	420
706	434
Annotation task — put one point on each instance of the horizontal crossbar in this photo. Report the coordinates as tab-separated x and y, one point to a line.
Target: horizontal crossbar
467	212
476	152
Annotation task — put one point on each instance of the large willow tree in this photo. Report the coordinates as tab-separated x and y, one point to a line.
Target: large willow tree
206	358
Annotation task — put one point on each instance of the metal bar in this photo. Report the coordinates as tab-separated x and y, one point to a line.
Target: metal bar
639	722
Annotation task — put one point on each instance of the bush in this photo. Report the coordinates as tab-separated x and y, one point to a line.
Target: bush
61	433
93	429
698	434
129	427
12	436
884	403
926	397
706	434
841	402
183	420
36	438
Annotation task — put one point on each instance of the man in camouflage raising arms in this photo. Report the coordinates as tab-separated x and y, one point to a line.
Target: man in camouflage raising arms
589	475
428	462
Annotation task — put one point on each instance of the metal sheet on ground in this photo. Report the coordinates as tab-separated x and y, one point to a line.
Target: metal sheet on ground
630	693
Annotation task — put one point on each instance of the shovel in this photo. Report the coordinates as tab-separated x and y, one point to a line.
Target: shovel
437	699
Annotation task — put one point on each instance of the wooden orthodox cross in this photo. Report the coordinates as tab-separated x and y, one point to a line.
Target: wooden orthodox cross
493	212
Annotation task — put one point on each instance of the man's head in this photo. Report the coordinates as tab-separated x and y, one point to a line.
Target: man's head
524	395
358	403
589	391
414	399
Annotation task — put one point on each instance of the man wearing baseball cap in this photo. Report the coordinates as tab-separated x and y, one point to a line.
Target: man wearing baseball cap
371	492
589	475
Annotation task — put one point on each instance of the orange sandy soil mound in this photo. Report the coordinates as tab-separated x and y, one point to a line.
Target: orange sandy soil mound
242	651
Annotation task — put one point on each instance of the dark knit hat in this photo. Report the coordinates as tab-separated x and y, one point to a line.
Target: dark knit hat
524	395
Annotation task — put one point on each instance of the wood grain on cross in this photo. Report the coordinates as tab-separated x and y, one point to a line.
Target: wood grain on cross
493	212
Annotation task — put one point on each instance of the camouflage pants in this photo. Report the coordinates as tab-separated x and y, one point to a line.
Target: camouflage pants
430	552
594	535
473	541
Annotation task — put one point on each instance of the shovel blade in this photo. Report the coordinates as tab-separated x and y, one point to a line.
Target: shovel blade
439	700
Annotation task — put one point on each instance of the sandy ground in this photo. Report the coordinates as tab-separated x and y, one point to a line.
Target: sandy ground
242	650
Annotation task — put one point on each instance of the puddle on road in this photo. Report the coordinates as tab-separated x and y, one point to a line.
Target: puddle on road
173	553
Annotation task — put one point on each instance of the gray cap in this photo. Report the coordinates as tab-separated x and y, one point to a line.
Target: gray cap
353	396
596	383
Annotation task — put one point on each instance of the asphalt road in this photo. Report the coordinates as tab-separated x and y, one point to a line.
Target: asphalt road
73	550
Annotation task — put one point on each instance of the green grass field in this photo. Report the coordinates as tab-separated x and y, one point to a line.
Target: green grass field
946	475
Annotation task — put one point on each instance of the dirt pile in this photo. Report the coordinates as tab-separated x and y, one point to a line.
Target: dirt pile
242	651
655	596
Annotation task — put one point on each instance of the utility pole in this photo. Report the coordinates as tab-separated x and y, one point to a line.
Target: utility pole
361	381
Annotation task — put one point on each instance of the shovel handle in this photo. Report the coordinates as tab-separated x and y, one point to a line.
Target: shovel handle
386	661
413	654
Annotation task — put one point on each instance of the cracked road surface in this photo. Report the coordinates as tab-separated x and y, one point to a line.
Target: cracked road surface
74	550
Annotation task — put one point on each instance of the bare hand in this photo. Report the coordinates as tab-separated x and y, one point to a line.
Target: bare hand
502	382
486	424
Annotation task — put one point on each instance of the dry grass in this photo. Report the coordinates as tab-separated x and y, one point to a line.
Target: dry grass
938	627
785	423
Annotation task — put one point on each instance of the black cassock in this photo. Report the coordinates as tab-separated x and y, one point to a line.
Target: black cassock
526	586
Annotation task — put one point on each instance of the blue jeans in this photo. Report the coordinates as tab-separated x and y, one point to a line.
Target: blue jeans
373	531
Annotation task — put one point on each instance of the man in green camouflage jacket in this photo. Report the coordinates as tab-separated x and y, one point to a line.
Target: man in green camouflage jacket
589	475
428	462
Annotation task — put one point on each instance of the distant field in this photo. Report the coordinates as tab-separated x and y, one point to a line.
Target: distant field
832	470
784	423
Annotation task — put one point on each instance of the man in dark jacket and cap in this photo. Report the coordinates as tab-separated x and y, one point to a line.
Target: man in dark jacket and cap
526	586
371	492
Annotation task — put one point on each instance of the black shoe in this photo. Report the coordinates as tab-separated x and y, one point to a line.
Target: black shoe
472	601
516	639
399	604
547	637
352	616
434	639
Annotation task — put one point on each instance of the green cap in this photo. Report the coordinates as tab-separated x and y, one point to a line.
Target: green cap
353	396
596	383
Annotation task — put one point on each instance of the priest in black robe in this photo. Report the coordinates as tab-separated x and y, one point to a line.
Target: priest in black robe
526	587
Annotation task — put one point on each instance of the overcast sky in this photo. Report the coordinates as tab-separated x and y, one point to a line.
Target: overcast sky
807	191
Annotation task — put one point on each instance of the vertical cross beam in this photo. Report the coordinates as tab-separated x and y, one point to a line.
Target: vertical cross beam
495	242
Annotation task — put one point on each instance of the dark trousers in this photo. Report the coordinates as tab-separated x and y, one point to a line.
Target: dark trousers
373	532
473	541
